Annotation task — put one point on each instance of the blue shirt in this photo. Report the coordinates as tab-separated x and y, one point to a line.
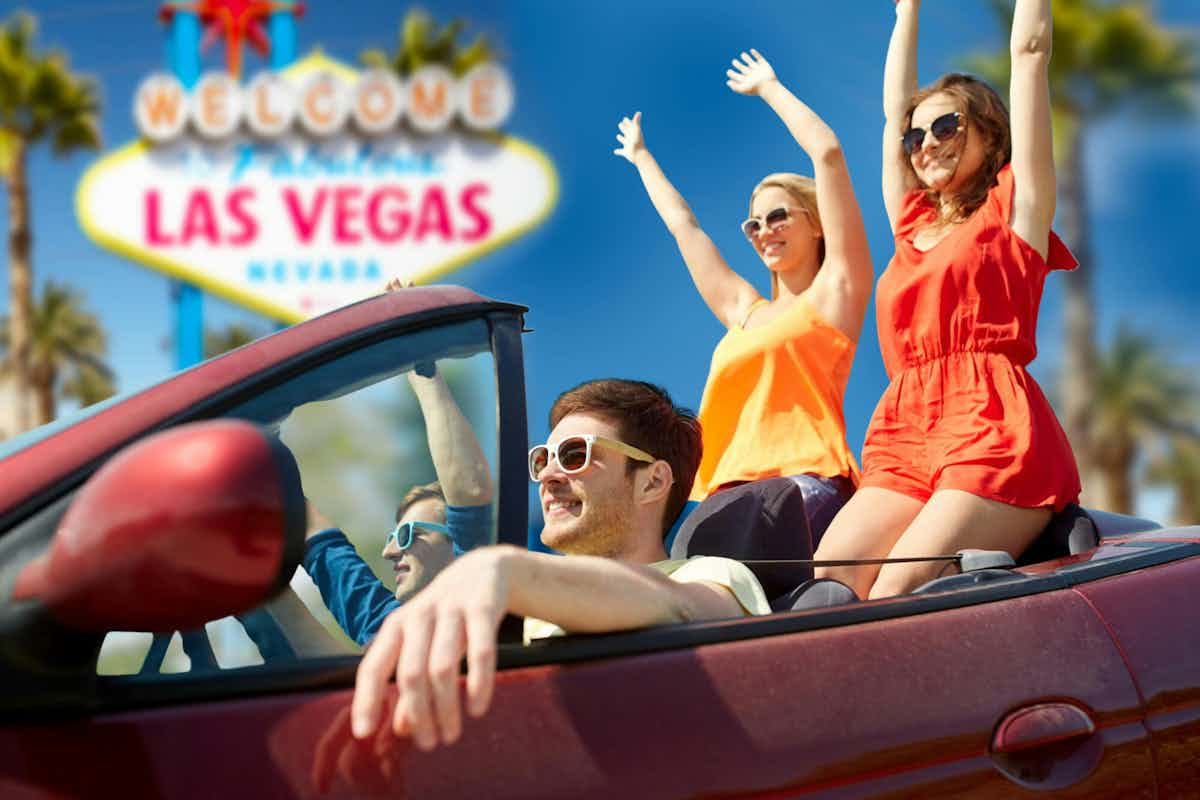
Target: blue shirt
358	600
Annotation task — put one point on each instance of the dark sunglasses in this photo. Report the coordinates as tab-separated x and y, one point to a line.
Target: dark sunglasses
774	217
943	128
574	453
404	531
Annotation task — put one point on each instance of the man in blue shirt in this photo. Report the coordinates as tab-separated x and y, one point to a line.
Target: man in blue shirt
429	533
434	522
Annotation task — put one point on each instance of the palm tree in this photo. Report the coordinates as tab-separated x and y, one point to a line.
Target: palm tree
68	344
87	386
1108	56
1180	469
1139	396
420	43
40	100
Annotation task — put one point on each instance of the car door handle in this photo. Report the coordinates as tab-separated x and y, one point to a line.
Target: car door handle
1046	745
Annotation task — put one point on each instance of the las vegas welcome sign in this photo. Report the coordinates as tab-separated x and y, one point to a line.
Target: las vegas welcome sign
306	189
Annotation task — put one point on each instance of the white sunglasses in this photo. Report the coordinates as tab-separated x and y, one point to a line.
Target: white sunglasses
574	454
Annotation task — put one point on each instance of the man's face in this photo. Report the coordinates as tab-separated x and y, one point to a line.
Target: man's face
429	554
589	512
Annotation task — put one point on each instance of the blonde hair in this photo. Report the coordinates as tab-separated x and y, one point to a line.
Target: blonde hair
803	190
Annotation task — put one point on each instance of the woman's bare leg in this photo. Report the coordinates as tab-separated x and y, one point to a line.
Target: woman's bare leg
868	526
954	520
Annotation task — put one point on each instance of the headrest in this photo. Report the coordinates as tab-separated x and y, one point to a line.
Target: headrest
760	520
818	593
1070	531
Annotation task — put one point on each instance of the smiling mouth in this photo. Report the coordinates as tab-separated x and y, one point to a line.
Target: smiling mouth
561	507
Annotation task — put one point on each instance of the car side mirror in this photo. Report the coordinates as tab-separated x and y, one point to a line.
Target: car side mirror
186	526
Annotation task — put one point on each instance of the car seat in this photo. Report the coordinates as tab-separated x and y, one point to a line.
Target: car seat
757	521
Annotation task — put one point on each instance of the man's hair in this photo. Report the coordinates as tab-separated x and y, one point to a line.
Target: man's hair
422	491
646	418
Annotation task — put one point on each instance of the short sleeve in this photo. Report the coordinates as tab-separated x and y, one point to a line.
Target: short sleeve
1059	256
733	575
470	527
1000	197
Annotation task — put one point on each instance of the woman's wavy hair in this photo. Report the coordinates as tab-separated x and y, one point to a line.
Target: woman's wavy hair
986	113
804	191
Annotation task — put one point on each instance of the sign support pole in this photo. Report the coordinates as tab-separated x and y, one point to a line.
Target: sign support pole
183	54
281	26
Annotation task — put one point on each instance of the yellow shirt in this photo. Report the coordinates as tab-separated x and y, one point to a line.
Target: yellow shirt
733	575
773	402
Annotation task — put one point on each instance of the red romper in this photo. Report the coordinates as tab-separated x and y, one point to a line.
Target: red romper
957	326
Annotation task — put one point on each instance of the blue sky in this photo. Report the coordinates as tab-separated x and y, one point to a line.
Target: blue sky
608	293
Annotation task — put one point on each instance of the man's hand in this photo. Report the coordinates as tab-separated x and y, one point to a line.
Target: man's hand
751	74
630	137
422	644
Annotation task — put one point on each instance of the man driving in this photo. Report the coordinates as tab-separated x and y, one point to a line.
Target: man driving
614	474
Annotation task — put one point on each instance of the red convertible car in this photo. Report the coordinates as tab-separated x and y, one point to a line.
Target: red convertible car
1076	672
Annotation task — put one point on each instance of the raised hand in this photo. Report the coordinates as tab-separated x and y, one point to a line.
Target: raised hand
630	137
750	74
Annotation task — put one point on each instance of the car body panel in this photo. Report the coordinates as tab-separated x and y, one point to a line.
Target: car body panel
905	704
1154	615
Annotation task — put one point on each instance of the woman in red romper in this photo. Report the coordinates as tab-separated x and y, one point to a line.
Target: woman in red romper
963	450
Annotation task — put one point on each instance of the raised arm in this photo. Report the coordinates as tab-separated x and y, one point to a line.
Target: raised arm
728	295
843	286
1032	144
462	470
423	642
899	86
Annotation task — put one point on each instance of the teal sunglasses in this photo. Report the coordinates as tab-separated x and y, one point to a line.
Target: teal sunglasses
404	532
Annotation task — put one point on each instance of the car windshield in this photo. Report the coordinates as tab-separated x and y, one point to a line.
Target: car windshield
404	427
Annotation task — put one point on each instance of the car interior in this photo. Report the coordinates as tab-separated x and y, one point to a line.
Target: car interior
763	525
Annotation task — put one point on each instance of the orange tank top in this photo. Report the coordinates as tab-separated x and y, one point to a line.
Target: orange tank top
773	402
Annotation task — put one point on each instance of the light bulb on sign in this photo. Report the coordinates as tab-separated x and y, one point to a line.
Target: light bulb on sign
271	107
486	97
160	107
216	105
378	102
323	106
432	99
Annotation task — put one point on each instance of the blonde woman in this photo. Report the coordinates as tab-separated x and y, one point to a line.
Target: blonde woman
772	405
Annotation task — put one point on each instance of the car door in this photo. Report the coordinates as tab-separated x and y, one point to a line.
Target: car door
896	698
132	716
893	698
1152	613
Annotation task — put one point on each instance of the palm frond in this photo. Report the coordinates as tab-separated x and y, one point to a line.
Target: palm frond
420	42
